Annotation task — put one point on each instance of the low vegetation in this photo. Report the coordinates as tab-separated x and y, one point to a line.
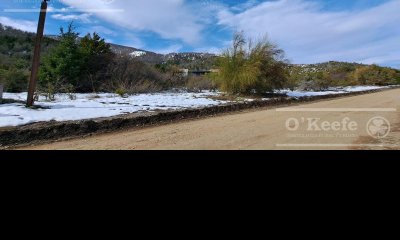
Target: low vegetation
250	67
334	74
15	57
72	64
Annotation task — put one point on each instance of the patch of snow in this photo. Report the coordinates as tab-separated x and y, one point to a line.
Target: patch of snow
361	88
298	94
90	106
137	53
330	91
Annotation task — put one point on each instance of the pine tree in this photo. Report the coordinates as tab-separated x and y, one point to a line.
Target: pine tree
97	56
63	67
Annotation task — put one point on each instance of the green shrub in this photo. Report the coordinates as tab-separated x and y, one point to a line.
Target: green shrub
374	75
121	92
14	80
251	68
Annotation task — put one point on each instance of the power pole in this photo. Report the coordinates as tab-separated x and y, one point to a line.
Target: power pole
36	54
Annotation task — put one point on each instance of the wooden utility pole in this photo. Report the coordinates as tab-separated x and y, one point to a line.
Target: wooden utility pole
36	55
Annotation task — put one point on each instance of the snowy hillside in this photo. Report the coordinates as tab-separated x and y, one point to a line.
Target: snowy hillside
137	53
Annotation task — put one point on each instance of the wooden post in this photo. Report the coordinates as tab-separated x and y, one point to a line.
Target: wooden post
36	54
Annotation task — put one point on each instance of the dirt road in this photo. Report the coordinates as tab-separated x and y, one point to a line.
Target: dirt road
360	122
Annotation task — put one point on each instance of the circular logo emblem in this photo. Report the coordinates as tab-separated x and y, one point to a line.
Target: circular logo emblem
378	127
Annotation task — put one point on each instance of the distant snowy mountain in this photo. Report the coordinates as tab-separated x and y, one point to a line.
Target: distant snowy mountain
185	60
137	53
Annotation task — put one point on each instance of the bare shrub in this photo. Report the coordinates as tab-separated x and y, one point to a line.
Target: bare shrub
199	83
134	76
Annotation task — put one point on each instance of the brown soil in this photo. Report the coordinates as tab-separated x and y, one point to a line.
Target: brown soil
259	128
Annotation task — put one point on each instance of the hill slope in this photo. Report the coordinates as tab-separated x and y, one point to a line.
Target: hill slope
16	48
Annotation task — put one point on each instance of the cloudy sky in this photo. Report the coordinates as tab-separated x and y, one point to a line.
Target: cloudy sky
309	31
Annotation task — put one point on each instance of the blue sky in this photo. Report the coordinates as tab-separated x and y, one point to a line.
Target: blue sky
309	31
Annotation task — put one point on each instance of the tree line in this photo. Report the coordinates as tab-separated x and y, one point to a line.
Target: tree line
15	57
71	64
336	74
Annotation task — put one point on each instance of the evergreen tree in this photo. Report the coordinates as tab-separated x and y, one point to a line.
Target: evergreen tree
63	67
97	56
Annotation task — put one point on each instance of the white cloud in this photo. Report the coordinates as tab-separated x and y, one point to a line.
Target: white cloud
244	6
133	41
84	17
310	34
213	50
28	26
171	19
103	30
170	49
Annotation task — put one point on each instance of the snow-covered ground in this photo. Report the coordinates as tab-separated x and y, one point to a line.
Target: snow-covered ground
90	106
330	91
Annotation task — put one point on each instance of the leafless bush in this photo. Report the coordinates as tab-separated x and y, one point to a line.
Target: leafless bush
199	83
134	76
